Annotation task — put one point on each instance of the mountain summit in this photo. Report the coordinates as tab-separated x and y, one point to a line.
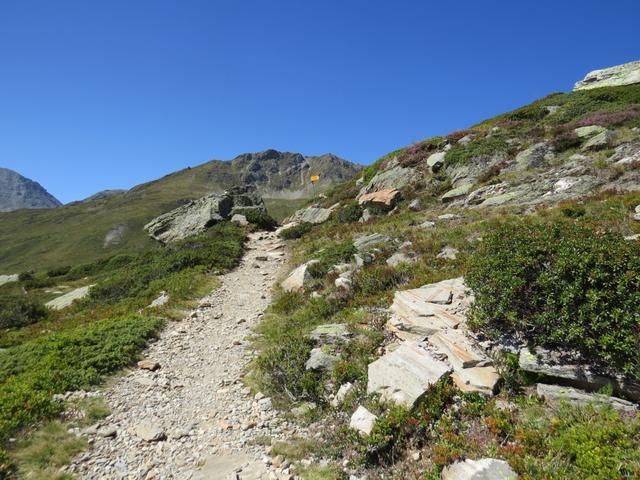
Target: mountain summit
18	192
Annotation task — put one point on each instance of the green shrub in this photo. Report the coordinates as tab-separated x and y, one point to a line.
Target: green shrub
330	257
482	147
350	213
58	272
296	231
259	218
18	311
377	279
561	285
565	141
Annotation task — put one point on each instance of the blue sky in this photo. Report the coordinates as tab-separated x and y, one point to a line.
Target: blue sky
97	95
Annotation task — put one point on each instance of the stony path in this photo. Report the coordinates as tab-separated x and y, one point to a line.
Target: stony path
193	418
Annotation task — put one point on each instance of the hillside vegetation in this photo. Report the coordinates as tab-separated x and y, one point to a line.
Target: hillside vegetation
98	228
542	222
46	352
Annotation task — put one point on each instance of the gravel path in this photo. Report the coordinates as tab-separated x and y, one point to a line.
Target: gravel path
193	417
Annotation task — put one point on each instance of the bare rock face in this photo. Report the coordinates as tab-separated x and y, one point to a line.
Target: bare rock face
196	216
18	192
625	74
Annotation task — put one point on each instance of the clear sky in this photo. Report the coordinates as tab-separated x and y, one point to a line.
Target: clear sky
109	94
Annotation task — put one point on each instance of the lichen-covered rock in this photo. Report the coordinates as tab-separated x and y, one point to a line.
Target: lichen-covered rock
394	176
483	469
625	74
599	141
534	156
312	214
196	216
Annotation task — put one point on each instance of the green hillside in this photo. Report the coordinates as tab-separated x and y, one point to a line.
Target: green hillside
78	232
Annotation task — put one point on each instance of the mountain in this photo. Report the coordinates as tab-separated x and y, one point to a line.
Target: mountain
106	224
18	192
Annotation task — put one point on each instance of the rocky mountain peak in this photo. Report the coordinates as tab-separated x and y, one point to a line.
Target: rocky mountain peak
18	192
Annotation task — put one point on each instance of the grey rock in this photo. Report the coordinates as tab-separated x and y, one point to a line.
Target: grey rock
467	139
448	253
314	215
320	360
405	374
107	431
114	236
343	391
363	420
501	199
625	74
449	216
366	216
436	161
400	257
196	216
483	469
18	192
394	176
240	220
68	298
303	409
150	432
8	278
415	205
534	156
457	192
589	131
299	278
343	283
561	365
162	300
331	333
556	393
427	224
365	242
599	141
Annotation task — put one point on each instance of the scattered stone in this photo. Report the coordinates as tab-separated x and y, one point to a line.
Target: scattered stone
457	192
400	257
384	198
148	364
162	300
394	176
331	333
314	215
436	161
150	432
534	156
589	131
363	420
467	139
320	360
107	432
365	242
427	224
8	278
298	278
449	216
265	404
343	391
483	469
366	216
240	220
415	205
405	374
448	253
344	283
555	394
476	379
303	409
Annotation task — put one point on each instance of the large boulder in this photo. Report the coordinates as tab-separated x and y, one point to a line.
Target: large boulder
393	176
198	215
534	156
382	198
555	394
299	278
624	74
405	374
312	215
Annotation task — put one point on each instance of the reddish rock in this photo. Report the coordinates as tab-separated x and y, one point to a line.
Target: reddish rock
385	198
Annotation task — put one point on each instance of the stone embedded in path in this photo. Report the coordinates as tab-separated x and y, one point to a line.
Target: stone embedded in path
150	432
483	469
555	394
67	299
405	374
363	420
148	364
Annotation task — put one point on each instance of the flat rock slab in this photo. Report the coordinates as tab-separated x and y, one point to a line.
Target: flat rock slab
421	312
386	198
298	278
67	299
405	374
150	432
556	394
8	279
483	469
459	349
551	364
311	215
476	379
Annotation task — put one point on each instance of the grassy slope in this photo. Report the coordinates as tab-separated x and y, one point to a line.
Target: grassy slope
75	233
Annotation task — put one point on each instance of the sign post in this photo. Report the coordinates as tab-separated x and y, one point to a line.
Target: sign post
314	179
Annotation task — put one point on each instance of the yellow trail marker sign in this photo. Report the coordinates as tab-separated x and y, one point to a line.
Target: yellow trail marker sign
314	178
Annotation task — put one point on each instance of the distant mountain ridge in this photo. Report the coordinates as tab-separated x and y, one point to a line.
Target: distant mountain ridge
111	222
18	192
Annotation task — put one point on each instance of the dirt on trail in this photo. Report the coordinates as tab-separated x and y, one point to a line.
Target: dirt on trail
193	418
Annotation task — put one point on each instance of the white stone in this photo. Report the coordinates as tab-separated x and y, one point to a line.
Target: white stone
625	74
343	391
405	374
363	420
163	299
8	278
483	469
298	278
240	220
68	298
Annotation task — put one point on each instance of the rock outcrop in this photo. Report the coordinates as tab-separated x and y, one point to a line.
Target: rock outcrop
68	298
18	192
624	74
483	469
196	216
